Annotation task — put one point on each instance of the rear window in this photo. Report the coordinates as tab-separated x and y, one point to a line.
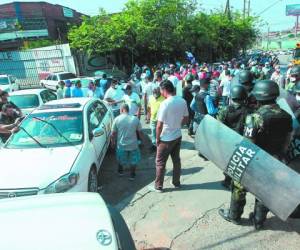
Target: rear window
66	76
25	101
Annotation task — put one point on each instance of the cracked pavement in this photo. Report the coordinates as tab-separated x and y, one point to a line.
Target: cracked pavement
187	218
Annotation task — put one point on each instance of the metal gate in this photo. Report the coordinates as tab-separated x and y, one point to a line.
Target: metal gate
29	67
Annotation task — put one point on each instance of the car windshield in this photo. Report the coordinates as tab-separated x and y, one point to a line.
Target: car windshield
4	80
59	129
66	76
25	101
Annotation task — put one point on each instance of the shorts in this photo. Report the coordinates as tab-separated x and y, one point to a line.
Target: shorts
128	158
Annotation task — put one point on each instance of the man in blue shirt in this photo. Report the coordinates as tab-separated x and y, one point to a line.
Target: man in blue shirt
77	91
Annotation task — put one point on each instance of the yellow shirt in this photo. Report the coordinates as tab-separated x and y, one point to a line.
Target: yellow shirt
154	105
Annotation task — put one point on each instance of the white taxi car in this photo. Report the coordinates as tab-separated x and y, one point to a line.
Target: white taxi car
8	83
69	221
29	99
58	148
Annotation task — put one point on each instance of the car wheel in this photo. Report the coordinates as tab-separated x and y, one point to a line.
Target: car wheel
93	180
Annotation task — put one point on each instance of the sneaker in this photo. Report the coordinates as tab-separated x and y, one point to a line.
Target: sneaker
175	186
154	189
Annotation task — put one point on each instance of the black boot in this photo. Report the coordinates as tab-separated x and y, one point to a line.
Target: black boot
259	216
227	215
237	204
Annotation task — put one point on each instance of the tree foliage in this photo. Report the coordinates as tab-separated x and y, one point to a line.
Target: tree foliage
155	30
33	44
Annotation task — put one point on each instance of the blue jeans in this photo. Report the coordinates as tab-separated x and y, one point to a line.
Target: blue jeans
153	131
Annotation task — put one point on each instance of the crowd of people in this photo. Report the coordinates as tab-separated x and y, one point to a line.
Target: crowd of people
170	96
243	97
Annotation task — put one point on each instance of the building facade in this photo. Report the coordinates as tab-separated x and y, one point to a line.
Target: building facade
25	21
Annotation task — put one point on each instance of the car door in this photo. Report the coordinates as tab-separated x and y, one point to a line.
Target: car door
95	118
47	80
53	82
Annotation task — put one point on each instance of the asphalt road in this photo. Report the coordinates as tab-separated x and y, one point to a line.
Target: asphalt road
188	218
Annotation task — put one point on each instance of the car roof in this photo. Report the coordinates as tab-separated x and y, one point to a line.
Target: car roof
55	221
67	104
27	92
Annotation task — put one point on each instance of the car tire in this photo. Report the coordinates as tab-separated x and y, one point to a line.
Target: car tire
93	180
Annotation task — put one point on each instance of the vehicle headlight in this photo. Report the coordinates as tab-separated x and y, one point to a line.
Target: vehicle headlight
63	184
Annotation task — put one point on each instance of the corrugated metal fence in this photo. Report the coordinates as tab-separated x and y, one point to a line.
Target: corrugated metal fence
29	67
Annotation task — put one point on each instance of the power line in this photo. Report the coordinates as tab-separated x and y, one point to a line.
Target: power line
269	7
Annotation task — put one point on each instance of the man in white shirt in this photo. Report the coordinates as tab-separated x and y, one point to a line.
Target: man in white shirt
114	97
278	77
226	85
172	114
133	101
173	78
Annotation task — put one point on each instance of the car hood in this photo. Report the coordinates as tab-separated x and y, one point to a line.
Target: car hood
38	167
56	221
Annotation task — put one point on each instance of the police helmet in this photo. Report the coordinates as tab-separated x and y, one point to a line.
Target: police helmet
239	92
295	70
266	90
246	77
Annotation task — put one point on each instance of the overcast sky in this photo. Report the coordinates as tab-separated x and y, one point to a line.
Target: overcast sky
275	15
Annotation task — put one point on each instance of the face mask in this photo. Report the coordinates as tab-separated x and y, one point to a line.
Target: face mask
194	94
293	79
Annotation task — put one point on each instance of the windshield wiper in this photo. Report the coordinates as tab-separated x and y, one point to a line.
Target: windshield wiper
37	142
53	126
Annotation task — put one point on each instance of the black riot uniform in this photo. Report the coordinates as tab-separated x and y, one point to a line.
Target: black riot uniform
234	116
269	128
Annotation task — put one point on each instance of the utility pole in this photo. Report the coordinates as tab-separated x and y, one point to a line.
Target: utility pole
268	40
227	8
296	26
249	5
246	10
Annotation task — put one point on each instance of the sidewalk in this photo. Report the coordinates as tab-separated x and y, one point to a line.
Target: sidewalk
188	218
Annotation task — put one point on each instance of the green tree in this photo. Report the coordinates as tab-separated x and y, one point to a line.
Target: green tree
156	30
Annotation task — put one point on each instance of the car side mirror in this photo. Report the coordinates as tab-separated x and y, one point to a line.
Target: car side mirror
97	132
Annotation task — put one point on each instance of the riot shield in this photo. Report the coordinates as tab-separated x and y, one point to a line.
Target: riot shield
294	147
272	182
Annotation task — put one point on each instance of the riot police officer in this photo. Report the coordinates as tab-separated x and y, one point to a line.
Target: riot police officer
269	128
234	115
294	77
247	80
